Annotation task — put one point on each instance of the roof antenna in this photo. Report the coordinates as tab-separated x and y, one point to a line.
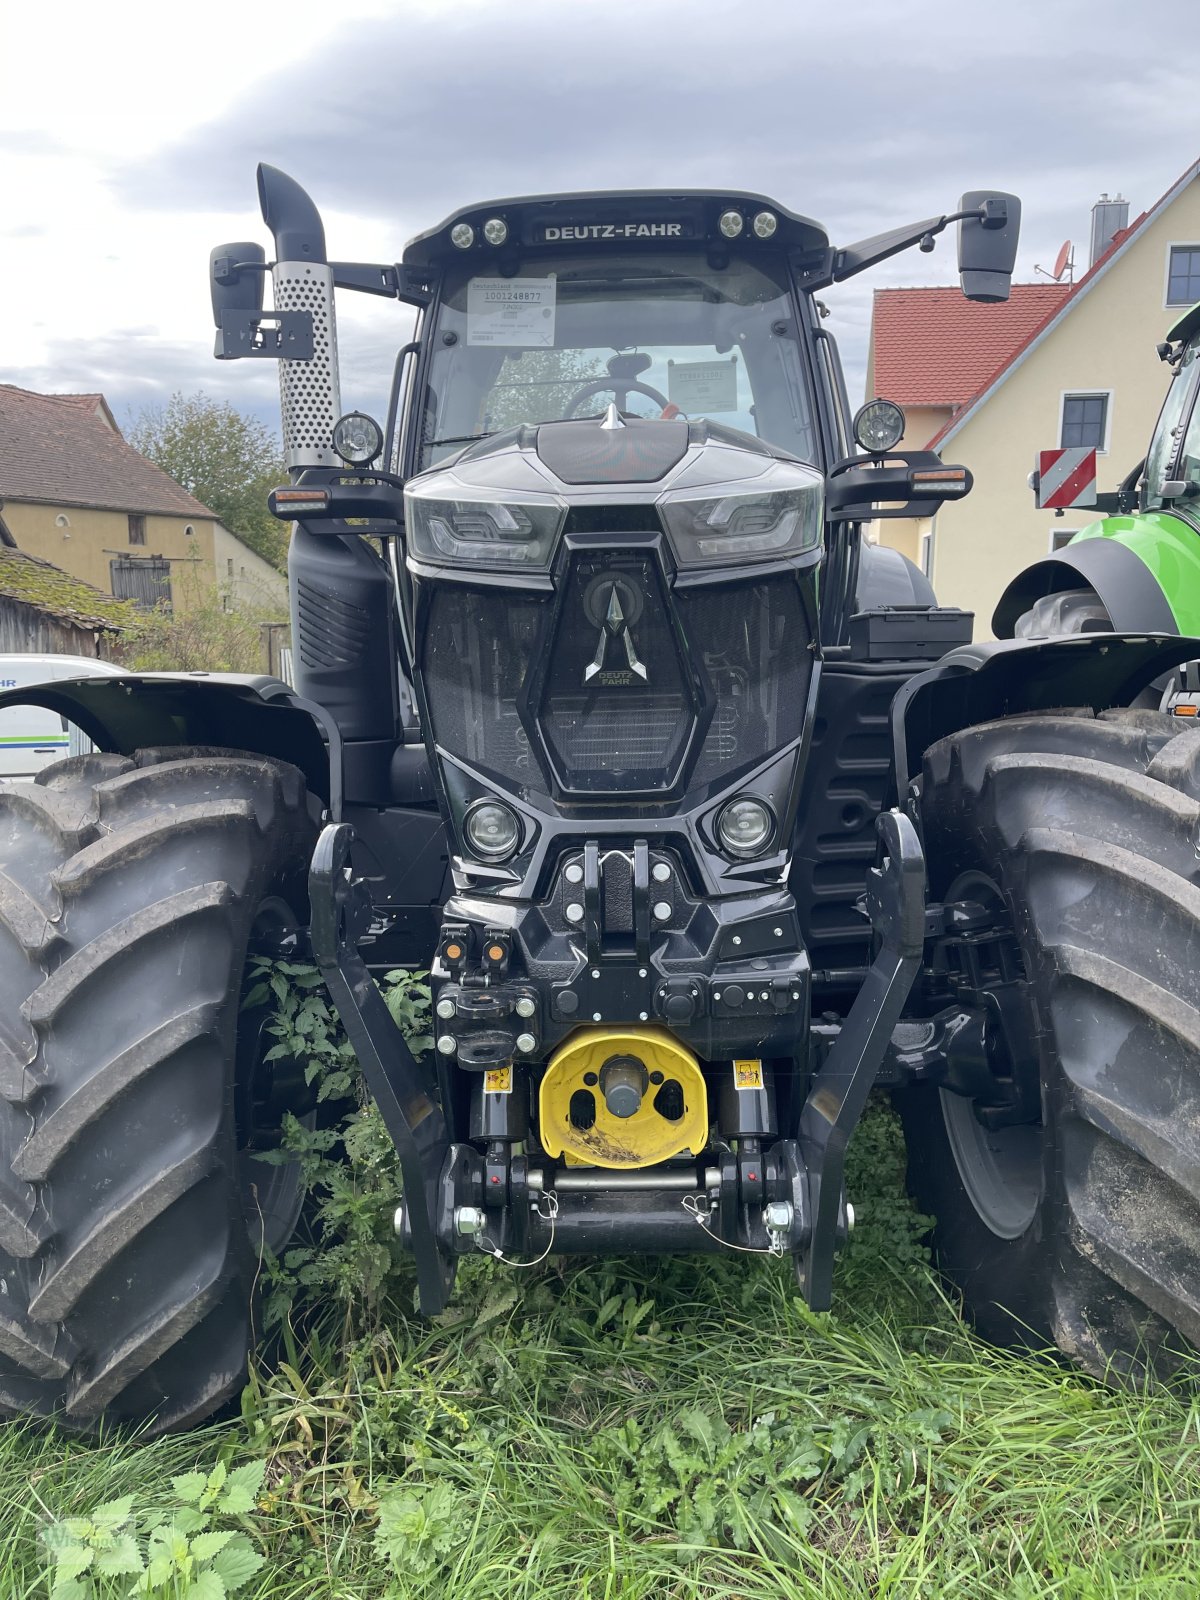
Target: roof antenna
1063	262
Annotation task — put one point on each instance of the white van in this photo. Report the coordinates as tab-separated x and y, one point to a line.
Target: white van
30	736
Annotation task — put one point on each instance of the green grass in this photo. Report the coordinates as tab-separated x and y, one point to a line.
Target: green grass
675	1430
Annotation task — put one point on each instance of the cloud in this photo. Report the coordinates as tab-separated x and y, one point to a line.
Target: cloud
862	116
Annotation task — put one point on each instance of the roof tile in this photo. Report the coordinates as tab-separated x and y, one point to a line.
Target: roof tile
65	449
933	347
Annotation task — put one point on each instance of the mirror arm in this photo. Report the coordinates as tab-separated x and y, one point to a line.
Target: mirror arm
855	258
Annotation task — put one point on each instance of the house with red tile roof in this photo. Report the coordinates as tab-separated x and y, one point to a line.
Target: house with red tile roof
75	493
1058	364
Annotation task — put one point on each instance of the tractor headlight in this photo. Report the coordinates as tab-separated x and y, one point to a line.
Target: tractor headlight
492	829
357	438
490	532
878	426
745	827
779	517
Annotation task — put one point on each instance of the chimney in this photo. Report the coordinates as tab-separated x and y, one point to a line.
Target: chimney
1109	217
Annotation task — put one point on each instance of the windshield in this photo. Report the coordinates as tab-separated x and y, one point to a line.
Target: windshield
1166	434
659	337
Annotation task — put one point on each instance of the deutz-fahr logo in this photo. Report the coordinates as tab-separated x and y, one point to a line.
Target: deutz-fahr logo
585	232
614	626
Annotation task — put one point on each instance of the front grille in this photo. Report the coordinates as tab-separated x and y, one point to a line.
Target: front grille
495	678
477	650
753	642
617	709
600	738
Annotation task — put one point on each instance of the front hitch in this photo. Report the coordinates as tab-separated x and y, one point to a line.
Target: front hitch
895	901
402	1088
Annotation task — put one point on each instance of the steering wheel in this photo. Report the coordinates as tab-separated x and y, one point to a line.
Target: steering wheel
621	388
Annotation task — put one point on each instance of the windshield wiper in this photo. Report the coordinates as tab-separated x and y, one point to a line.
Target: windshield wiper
459	438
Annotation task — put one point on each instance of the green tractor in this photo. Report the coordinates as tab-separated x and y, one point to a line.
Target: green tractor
704	816
1140	567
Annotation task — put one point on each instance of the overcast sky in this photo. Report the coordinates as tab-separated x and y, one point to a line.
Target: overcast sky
129	135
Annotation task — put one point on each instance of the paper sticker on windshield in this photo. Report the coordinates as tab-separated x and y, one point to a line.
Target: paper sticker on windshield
698	387
511	311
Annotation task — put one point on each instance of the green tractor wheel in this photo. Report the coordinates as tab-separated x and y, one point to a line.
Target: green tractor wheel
132	1219
1077	1223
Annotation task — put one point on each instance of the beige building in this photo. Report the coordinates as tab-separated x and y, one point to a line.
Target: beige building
74	493
1086	374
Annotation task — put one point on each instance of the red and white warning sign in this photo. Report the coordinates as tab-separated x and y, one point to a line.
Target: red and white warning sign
1066	478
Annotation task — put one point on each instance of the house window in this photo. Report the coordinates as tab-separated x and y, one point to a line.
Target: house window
1061	537
1084	421
1183	275
137	528
229	567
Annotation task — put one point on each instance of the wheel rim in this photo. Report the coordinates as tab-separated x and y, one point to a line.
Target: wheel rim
272	1193
1000	1168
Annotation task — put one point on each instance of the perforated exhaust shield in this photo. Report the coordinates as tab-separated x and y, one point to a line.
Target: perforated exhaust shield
309	391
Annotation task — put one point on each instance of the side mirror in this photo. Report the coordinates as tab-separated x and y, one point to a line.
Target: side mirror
236	274
987	244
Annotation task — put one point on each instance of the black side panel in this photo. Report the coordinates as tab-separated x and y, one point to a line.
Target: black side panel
343	626
402	853
847	783
887	578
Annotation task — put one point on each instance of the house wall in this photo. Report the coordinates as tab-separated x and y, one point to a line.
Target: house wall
92	538
1105	341
87	545
244	573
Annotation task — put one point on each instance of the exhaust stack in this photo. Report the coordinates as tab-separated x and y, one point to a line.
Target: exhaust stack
309	391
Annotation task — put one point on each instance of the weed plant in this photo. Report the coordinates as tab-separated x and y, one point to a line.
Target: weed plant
644	1429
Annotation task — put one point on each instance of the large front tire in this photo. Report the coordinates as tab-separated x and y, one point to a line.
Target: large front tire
128	891
1081	1226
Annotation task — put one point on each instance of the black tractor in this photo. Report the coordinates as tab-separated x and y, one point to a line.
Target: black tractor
704	816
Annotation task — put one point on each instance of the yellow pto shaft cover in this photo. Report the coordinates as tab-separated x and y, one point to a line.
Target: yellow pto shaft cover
622	1097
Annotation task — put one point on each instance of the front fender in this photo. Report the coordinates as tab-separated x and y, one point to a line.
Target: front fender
1145	569
1005	677
220	710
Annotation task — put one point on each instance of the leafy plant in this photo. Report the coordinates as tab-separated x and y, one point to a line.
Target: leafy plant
195	1549
420	1528
350	1169
227	458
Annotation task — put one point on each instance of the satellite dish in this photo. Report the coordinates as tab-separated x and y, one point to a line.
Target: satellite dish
1062	261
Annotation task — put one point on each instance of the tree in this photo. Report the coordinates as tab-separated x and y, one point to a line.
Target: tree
227	459
537	385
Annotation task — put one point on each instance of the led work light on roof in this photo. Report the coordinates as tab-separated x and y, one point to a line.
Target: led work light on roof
495	230
878	426
357	438
765	223
462	235
731	223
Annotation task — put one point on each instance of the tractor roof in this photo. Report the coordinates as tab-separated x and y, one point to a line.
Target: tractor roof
592	223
